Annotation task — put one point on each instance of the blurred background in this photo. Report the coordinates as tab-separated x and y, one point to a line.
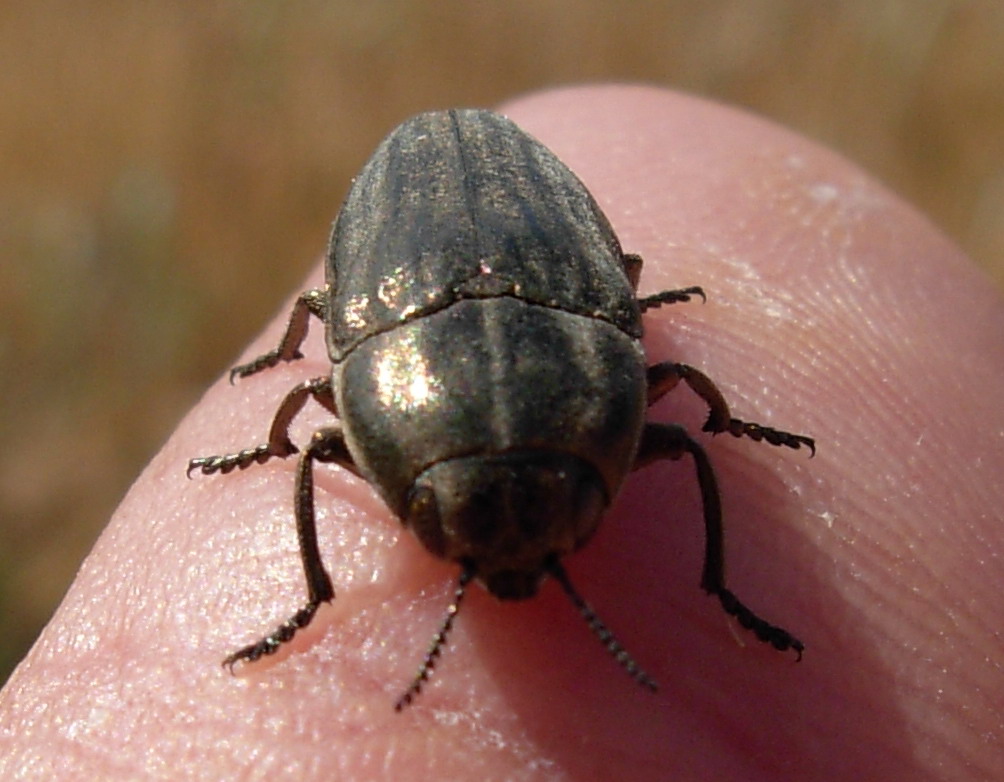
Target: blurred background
170	172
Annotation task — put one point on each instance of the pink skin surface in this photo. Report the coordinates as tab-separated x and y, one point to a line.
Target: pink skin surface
833	310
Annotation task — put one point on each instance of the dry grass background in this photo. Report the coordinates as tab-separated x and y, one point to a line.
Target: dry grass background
170	171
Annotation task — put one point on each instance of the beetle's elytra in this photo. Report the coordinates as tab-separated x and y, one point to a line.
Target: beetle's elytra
487	374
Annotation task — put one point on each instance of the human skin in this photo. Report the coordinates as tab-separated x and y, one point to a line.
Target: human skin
833	310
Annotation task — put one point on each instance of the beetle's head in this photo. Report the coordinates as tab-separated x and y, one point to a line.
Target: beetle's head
508	519
507	515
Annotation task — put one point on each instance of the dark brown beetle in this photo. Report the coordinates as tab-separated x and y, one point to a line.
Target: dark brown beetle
487	373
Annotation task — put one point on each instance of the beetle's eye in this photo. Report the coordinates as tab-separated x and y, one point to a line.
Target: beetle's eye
424	519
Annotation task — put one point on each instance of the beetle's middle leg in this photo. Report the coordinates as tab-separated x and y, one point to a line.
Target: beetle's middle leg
669	441
664	377
278	444
327	445
312	302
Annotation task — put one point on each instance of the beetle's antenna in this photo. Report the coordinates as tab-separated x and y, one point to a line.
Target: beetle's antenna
612	645
438	641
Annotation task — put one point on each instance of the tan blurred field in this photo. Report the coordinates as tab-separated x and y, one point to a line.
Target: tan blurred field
170	171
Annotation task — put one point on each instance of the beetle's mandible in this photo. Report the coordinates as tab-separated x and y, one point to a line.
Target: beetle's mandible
487	373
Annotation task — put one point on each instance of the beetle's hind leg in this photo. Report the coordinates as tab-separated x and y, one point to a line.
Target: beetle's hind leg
668	441
327	445
278	444
312	302
663	378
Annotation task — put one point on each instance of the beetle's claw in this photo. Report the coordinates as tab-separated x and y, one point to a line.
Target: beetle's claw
264	361
225	463
646	303
270	643
760	433
776	636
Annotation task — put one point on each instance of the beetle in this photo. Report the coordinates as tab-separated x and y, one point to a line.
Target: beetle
487	376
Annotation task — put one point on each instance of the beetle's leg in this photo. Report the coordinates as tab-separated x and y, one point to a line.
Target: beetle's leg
668	441
312	302
278	443
670	297
326	445
632	264
663	378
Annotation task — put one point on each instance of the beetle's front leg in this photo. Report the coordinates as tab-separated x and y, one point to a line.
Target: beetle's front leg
632	263
278	444
326	445
312	302
668	441
663	378
675	296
